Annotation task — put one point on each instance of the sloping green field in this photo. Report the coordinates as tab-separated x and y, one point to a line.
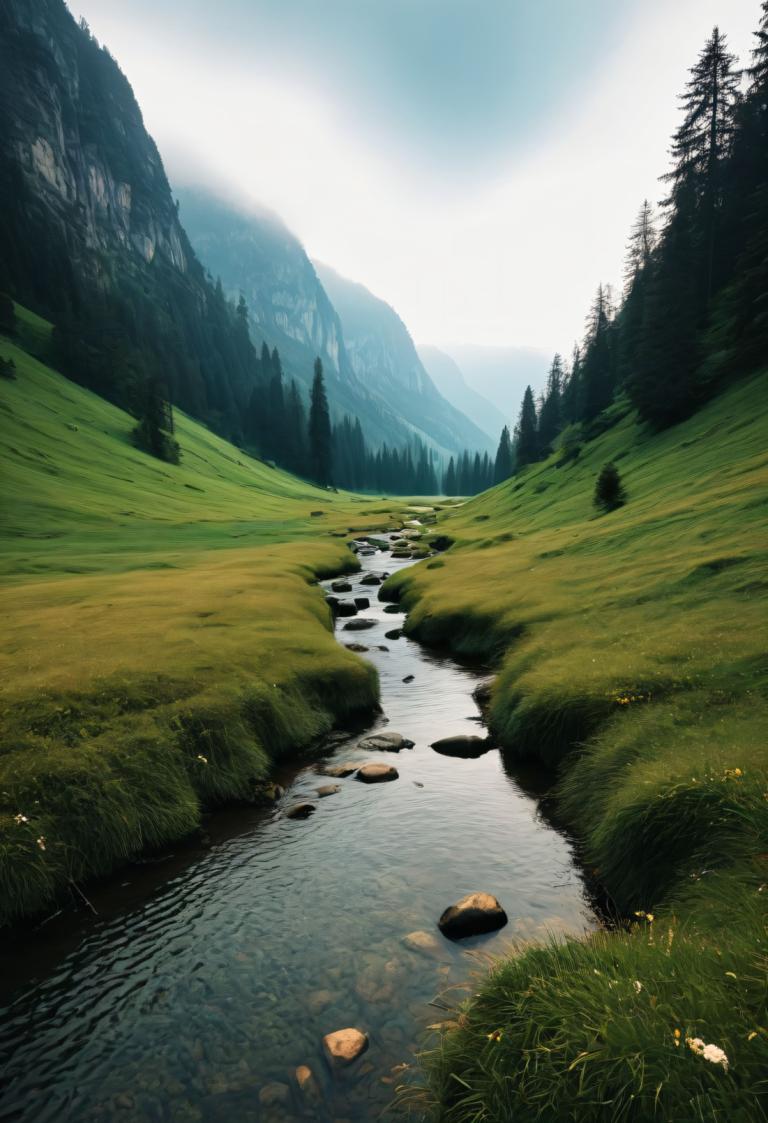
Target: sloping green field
162	641
631	651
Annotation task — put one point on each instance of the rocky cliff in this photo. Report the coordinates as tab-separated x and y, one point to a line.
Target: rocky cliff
89	232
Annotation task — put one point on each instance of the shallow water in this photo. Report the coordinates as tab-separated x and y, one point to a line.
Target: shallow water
215	973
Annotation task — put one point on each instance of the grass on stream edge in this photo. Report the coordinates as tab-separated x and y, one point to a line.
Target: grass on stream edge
632	658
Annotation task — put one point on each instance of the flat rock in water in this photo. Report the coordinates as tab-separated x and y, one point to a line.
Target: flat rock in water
385	743
376	773
409	678
392	608
424	943
359	625
273	1094
472	915
328	789
340	770
462	746
341	586
394	634
300	811
345	1046
370	579
359	647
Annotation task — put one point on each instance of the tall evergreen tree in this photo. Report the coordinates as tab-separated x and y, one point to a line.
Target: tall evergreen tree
551	412
320	442
449	480
504	463
526	435
636	279
597	374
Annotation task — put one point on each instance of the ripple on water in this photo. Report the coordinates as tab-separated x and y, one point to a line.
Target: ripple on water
224	976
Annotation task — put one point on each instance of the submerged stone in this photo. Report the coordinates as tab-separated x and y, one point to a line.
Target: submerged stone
300	811
462	746
424	943
345	1046
328	789
341	770
376	773
471	916
385	742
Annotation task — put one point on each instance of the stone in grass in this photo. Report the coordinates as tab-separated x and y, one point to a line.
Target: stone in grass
462	746
376	773
385	743
359	625
344	1046
471	916
300	811
328	789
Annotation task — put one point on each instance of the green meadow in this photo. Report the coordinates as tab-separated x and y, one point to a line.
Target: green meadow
631	658
163	639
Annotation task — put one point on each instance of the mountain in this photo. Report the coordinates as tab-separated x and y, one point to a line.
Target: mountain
89	232
306	309
384	357
449	379
501	374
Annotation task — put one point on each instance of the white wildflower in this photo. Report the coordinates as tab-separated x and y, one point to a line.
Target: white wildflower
712	1053
202	759
638	986
41	842
20	818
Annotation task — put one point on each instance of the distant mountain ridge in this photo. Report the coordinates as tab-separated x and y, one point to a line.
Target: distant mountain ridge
450	381
501	374
384	356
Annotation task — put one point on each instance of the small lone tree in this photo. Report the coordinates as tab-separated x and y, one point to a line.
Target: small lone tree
154	432
609	492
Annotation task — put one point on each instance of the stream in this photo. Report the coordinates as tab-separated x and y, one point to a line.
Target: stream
207	978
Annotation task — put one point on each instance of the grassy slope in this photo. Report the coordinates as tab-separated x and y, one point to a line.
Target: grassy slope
162	643
631	652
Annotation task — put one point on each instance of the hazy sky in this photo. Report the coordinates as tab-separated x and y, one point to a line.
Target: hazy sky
476	163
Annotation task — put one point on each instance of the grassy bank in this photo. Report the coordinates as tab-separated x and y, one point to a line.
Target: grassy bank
162	641
631	657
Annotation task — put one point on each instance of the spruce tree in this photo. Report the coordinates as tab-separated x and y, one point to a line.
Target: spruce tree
526	435
636	279
597	373
504	463
449	481
609	492
320	442
551	412
154	431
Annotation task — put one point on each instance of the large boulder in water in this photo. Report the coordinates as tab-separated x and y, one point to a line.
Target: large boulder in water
362	602
376	773
344	1046
471	916
370	579
344	608
385	742
359	625
463	746
341	586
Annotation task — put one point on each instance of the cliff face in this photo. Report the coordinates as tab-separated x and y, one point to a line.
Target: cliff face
74	134
385	359
89	231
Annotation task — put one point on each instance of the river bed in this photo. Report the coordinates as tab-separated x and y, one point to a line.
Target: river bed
208	978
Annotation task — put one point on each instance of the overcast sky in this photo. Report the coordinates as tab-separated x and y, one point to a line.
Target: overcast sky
476	163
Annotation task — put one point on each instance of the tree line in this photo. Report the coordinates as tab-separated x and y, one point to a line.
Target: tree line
693	313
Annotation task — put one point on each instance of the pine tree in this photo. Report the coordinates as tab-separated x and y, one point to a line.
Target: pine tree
449	481
295	430
551	412
504	463
154	431
636	278
320	441
526	435
597	374
609	492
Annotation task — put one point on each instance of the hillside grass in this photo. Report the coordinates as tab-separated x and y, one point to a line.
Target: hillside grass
631	656
163	642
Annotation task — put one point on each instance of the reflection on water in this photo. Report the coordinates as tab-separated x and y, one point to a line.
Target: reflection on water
206	980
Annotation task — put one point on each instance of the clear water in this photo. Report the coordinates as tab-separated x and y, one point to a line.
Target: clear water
216	973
